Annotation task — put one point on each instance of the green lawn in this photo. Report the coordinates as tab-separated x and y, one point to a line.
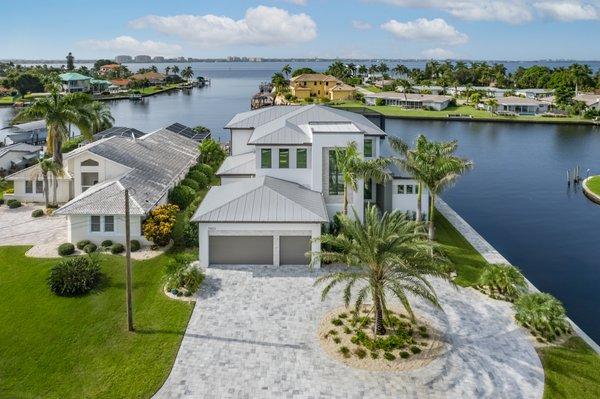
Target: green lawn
155	89
54	347
373	89
572	370
594	184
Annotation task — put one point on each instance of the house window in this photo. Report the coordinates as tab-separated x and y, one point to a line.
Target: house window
39	186
89	162
368	148
284	158
301	158
95	224
336	181
409	189
109	223
88	179
265	158
28	187
400	188
369	190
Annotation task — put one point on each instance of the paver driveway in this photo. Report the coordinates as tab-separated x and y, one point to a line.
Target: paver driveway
253	335
17	227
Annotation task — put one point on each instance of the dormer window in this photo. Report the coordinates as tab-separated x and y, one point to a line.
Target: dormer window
90	162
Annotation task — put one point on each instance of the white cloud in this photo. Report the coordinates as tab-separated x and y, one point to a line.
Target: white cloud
297	2
361	25
437	53
128	44
260	26
434	30
510	11
568	10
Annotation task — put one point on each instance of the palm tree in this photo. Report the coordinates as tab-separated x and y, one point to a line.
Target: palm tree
400	70
175	69
410	164
60	111
287	69
362	70
101	117
187	72
438	168
153	68
350	163
57	172
279	82
46	166
388	254
406	87
167	70
493	104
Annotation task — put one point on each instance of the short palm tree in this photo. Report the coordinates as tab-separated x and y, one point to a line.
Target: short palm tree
167	70
287	69
102	119
175	69
502	279
438	169
279	82
410	164
353	167
406	87
59	112
387	254
187	72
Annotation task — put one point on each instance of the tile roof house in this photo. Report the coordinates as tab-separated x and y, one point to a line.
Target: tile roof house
521	105
410	100
152	77
96	175
320	85
280	184
591	100
16	156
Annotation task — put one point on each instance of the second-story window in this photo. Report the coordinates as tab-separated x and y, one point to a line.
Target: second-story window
265	158
368	190
336	180
301	158
368	150
284	158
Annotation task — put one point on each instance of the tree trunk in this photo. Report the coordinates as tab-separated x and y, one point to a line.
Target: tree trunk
346	199
56	152
378	327
46	191
431	217
419	196
54	189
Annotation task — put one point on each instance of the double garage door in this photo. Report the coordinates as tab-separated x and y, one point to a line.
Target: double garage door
257	250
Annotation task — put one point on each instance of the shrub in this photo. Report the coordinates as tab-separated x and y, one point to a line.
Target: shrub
181	196
135	245
379	101
345	351
81	244
337	322
190	234
343	316
13	203
542	314
37	213
212	153
66	249
360	353
71	144
337	340
91	247
309	100
347	330
404	355
159	224
332	332
179	274
389	356
199	177
117	249
505	280
374	355
191	183
74	276
107	243
1	201
415	349
206	169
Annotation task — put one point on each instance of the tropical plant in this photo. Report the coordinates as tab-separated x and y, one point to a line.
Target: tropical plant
66	249
101	117
388	254
287	69
179	273
353	167
504	280
75	276
175	69
406	86
167	70
159	224
543	315
212	153
46	166
58	112
181	196
410	163
279	82
187	72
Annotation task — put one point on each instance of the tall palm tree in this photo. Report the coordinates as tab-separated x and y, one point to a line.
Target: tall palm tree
362	70
350	163
187	72
175	69
102	119
167	70
279	82
410	164
386	254
406	87
287	69
438	169
58	112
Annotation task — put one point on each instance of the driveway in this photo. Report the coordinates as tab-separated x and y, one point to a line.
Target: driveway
253	335
17	227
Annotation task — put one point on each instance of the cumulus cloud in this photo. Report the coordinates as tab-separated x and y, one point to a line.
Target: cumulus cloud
361	25
437	53
260	26
128	44
511	11
434	30
568	10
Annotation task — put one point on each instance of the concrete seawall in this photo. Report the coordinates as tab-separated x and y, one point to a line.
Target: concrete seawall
491	255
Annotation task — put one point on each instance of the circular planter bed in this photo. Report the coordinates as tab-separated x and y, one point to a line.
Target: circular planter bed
407	345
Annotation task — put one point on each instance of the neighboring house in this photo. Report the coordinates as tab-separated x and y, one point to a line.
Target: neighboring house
281	183
320	85
591	100
188	132
534	93
120	132
17	156
73	82
410	100
33	133
151	77
521	106
96	175
99	85
105	69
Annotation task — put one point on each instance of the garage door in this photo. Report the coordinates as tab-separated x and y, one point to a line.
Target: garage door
292	250
240	250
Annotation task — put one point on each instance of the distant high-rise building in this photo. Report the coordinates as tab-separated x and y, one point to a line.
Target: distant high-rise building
181	59
158	58
123	58
142	58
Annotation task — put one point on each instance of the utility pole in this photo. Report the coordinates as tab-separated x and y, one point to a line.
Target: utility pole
128	263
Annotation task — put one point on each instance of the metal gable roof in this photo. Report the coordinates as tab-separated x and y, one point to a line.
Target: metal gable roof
242	164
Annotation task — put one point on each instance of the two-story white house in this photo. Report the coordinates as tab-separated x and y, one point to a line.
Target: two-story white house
96	175
280	184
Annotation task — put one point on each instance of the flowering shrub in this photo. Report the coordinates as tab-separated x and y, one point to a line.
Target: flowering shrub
159	224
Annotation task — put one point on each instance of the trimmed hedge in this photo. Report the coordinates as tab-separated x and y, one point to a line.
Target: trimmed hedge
191	183
135	245
117	249
181	196
81	244
91	247
37	213
74	276
66	249
13	203
199	177
107	243
206	169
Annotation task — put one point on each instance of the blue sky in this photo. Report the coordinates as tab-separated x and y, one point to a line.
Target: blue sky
471	29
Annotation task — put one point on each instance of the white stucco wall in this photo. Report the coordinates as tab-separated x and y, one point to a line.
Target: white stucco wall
408	202
62	194
106	169
78	228
248	229
301	176
239	141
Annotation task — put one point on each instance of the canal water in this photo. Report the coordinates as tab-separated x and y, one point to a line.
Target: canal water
516	196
